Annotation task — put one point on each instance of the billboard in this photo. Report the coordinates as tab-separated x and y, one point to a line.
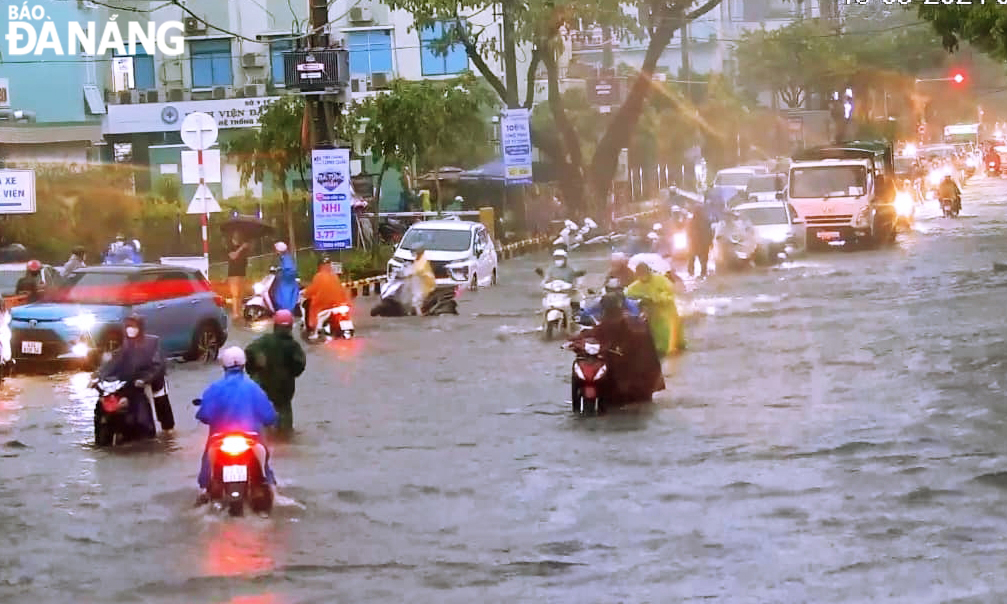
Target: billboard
331	199
515	140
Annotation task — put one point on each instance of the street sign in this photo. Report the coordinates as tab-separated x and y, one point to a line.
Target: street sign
199	131
17	191
190	166
203	202
515	139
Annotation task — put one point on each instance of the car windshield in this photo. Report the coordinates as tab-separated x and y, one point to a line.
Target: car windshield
764	216
765	184
93	288
732	179
441	240
8	280
828	181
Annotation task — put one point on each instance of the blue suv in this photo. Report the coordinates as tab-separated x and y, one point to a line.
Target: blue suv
82	319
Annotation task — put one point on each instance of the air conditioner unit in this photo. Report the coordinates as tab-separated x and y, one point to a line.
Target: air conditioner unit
361	14
221	92
253	59
149	96
380	80
358	85
254	90
125	97
194	26
176	95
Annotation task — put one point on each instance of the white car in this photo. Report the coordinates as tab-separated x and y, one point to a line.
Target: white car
765	187
459	251
735	178
778	229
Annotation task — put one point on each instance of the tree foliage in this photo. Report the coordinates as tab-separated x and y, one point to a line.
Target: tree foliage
274	149
982	25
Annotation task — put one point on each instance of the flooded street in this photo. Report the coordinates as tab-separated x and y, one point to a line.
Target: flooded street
836	433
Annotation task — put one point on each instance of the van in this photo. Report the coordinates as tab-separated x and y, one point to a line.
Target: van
460	252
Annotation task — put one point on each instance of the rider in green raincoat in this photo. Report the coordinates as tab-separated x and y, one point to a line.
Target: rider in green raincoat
275	360
657	295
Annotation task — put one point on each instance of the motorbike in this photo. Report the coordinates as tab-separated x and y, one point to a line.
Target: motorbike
119	413
557	307
332	322
236	475
395	298
948	207
260	305
992	169
736	245
391	230
589	377
567	237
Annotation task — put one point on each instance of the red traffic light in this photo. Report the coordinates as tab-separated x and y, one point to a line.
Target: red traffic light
958	77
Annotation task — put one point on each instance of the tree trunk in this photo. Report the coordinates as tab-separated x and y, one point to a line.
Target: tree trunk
288	212
571	163
509	54
375	237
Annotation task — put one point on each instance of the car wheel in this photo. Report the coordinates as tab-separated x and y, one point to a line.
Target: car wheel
474	285
205	343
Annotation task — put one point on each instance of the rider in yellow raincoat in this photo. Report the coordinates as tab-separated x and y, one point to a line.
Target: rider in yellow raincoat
657	295
423	279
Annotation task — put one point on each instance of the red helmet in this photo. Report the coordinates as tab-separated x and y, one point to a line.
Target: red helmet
34	266
283	317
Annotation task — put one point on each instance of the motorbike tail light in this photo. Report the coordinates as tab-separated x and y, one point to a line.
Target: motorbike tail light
219	301
112	403
235	445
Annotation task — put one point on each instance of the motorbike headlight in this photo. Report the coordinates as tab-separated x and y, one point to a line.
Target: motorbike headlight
903	204
83	321
934	178
680	241
259	289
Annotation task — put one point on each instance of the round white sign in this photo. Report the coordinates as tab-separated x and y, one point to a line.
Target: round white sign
199	131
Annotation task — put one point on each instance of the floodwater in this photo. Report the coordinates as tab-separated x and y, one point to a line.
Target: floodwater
836	433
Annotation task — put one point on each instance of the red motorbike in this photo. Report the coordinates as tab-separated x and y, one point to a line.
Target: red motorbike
590	377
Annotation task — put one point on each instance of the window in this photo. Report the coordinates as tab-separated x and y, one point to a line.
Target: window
829	181
732	179
276	50
211	62
370	51
133	72
434	64
441	240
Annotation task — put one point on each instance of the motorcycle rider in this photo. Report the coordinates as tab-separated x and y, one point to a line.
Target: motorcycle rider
138	360
949	189
562	271
326	291
700	239
657	296
992	157
234	403
422	280
76	261
275	360
285	288
592	314
30	284
619	269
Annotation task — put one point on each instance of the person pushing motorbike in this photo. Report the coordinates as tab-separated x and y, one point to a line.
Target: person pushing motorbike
326	291
30	284
138	360
275	361
949	189
234	403
422	279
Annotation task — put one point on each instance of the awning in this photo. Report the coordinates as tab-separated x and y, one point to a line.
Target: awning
494	172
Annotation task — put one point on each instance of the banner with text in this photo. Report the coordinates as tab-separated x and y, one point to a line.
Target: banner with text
332	199
515	138
17	191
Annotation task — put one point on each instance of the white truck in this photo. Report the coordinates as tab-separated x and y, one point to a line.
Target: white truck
845	193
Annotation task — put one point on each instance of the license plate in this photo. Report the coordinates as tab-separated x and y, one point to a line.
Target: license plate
828	235
345	325
235	473
31	347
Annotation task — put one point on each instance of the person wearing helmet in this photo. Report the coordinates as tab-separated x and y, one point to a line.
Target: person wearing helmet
948	189
285	289
422	279
234	403
275	361
77	260
138	361
592	313
657	298
562	271
619	270
325	292
30	284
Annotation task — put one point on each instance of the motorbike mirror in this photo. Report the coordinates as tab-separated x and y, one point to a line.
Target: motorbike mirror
197	401
540	272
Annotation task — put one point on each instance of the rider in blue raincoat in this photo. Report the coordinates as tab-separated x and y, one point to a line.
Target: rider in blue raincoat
592	313
285	287
234	403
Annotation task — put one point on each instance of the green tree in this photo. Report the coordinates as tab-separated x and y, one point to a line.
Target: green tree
274	149
984	26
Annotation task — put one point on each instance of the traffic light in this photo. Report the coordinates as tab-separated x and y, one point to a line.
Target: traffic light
958	77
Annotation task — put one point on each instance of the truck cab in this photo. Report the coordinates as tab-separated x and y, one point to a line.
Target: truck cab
845	193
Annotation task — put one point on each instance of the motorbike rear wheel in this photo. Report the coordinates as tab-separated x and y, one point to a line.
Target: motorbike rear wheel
236	508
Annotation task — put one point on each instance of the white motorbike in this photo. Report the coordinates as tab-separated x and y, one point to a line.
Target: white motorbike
557	308
568	236
332	322
260	305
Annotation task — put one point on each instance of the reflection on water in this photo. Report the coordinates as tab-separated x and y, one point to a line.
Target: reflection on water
259	599
240	547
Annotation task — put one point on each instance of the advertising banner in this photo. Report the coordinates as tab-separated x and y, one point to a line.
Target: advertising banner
17	191
515	138
332	199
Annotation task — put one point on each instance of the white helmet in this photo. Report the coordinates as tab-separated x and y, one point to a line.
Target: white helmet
232	357
280	247
136	244
652	236
657	226
559	254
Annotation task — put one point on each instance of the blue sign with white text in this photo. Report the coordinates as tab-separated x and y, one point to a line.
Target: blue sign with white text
332	199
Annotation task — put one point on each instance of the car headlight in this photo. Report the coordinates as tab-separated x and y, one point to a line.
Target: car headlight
259	289
903	204
83	321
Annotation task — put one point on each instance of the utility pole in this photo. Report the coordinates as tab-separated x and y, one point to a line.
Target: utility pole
686	67
320	111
